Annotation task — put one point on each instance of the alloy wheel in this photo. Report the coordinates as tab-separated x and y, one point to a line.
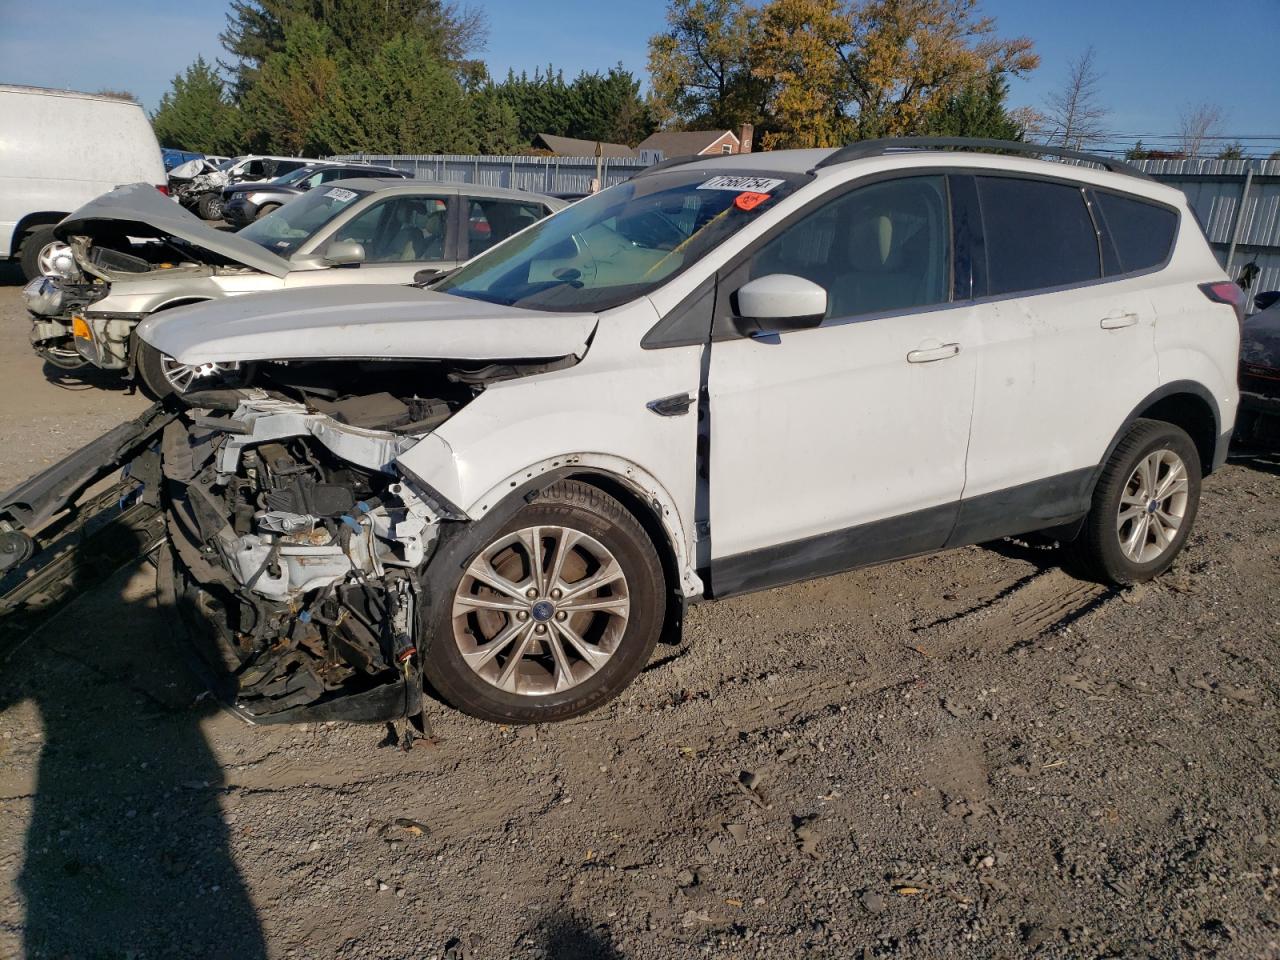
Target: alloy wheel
181	376
1152	506
541	610
50	253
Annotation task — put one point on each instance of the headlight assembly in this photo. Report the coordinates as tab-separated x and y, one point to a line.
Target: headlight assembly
43	296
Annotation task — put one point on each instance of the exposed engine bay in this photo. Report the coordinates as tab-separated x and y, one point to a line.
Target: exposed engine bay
299	544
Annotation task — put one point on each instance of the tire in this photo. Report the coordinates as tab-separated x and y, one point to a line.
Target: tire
1116	550
29	254
610	646
151	373
265	209
209	206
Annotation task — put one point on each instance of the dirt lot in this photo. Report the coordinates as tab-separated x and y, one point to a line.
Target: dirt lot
969	755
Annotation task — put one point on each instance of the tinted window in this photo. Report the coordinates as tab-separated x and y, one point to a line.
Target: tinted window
490	221
878	248
1038	235
402	229
1142	232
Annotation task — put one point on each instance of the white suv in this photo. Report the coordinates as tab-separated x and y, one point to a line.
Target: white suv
720	376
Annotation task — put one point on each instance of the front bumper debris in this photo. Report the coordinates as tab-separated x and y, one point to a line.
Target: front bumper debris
295	556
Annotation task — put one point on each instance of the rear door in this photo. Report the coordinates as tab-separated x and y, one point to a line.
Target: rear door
1065	355
487	221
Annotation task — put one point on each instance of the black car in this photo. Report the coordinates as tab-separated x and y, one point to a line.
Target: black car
1259	418
242	203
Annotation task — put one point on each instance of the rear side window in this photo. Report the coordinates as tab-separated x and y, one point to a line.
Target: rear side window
1141	232
1038	234
491	221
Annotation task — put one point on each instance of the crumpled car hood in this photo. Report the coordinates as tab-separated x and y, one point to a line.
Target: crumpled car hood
144	205
362	322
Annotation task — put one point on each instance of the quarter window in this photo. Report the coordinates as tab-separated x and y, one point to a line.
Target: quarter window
1142	232
876	249
1038	234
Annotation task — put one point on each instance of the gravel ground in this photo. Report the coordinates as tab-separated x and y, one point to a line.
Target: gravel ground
966	755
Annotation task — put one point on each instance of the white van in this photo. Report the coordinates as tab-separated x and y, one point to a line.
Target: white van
58	150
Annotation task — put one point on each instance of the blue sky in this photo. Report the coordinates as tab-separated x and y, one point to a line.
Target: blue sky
1155	55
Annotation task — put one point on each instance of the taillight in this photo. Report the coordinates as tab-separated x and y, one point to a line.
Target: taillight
163	188
1224	291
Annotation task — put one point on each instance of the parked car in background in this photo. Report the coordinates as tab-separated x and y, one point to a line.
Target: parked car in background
1259	420
243	203
58	150
199	186
722	375
175	158
361	230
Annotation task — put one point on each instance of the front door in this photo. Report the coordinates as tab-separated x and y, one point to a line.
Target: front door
400	235
843	444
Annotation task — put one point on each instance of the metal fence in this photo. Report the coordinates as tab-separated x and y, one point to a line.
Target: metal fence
538	174
1237	201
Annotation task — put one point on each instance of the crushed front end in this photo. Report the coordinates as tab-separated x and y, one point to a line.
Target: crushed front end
296	549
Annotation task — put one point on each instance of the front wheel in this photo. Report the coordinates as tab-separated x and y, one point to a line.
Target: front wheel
266	209
162	376
549	615
1143	506
36	253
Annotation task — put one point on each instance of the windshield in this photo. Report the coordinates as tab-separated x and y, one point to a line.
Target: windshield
293	176
285	230
228	164
619	244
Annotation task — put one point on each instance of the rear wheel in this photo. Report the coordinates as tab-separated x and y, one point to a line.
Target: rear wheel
36	251
210	206
1143	506
548	616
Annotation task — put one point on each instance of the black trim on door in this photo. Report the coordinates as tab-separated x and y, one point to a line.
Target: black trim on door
1026	508
894	538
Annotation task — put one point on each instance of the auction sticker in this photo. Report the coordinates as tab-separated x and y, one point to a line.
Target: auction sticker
742	184
341	195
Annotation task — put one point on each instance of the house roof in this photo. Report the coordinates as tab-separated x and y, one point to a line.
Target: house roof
683	143
573	147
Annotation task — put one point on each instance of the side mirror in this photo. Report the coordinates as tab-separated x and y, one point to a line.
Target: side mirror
778	302
344	253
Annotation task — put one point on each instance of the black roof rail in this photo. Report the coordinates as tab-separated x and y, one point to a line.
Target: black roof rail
875	148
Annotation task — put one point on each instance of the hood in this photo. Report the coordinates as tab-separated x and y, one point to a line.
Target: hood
362	322
192	169
143	205
261	186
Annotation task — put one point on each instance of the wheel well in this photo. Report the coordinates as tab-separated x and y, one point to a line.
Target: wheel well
1192	414
649	519
44	218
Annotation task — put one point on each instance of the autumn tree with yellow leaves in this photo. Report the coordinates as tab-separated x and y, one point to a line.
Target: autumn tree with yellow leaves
830	71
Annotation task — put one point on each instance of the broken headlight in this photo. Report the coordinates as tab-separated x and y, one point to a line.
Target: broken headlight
43	296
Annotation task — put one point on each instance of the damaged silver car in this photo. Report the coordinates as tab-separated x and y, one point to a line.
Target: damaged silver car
132	253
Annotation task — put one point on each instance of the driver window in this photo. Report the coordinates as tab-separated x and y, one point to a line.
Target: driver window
876	249
402	229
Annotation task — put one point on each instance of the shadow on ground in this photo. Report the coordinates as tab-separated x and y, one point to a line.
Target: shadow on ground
127	853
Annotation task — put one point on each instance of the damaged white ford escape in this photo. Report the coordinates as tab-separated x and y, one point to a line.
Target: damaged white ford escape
719	376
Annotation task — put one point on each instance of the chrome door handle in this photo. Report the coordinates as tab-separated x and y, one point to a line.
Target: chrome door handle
930	354
1118	320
